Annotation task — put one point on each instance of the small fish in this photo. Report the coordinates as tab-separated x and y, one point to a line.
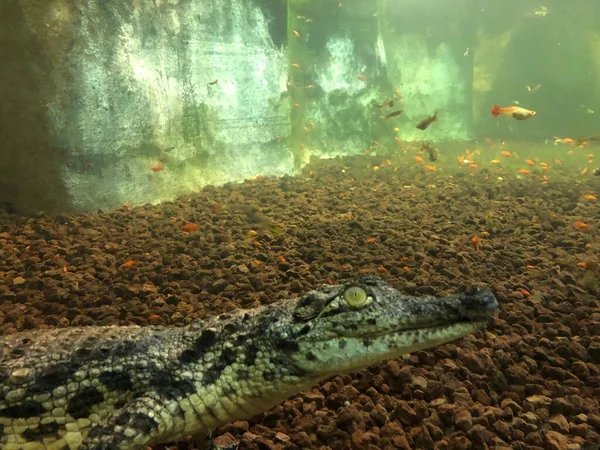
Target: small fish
590	139
515	111
534	89
297	34
581	225
190	227
295	65
156	168
389	103
363	77
254	217
423	124
213	82
392	114
128	264
431	152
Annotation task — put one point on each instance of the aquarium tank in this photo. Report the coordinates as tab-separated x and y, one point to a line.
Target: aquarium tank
299	224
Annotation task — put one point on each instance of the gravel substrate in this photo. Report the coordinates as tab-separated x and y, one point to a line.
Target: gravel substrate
531	380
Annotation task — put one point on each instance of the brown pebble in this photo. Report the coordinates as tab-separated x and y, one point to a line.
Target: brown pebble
301	439
405	413
419	381
361	439
539	401
556	441
502	429
224	440
379	415
559	423
472	362
482	397
459	443
282	437
393	368
463	419
581	429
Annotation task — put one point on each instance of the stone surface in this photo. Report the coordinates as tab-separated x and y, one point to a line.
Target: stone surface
109	89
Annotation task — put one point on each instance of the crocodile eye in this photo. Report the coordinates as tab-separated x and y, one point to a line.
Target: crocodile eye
355	296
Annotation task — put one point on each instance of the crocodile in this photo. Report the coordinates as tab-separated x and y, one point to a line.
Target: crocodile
128	387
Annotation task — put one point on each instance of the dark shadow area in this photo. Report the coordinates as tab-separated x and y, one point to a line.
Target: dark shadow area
30	169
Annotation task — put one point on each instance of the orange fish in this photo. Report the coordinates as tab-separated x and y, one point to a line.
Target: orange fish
581	225
190	227
524	172
589	197
525	292
296	33
296	65
419	159
475	242
156	168
129	263
515	111
530	162
505	153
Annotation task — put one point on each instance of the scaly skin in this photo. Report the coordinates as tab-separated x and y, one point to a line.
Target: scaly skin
101	388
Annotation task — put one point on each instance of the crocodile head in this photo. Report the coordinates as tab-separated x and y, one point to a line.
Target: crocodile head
342	328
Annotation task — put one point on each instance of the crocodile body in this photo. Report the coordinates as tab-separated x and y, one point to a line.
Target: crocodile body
109	388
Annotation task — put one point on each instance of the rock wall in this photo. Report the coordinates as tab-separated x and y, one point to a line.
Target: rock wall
190	87
30	168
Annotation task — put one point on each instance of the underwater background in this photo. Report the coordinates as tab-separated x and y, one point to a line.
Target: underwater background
163	161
